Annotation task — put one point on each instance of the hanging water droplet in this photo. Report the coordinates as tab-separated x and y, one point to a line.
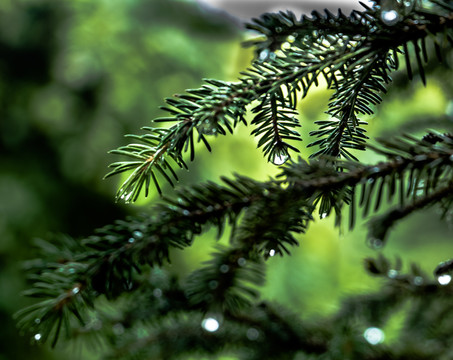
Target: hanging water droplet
186	212
118	329
418	280
392	273
75	290
213	284
323	215
407	3
264	55
207	128
271	252
451	158
157	292
444	279
242	261
390	17
37	321
375	243
131	240
280	158
224	268
279	29
374	335
210	324
291	38
37	337
252	334
137	234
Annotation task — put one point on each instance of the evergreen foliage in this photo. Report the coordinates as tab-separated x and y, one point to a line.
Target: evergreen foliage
216	309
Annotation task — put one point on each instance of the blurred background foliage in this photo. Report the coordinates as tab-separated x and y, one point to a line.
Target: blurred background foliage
75	76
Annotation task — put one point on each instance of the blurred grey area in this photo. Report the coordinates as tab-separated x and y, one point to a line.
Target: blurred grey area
247	9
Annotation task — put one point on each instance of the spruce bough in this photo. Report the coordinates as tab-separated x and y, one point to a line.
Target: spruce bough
216	309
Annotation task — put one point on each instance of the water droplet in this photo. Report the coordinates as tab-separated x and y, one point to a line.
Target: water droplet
444	279
137	234
280	158
210	324
242	262
407	3
186	212
131	240
224	268
207	128
252	334
118	329
418	280
157	292
323	215
375	243
37	337
375	170
209	208
213	284
291	38
71	270
279	29
390	17
75	290
271	252
264	55
37	321
451	157
392	273
374	335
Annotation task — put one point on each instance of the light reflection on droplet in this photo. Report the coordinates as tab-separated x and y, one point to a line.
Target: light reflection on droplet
280	159
323	215
444	279
374	335
137	234
75	290
390	17
271	252
210	324
264	55
37	337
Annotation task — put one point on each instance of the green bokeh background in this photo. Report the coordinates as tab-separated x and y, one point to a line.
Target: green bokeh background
75	76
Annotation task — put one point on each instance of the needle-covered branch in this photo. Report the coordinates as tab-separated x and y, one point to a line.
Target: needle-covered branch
354	54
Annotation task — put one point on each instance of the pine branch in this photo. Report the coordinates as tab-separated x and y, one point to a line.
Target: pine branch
264	218
354	54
